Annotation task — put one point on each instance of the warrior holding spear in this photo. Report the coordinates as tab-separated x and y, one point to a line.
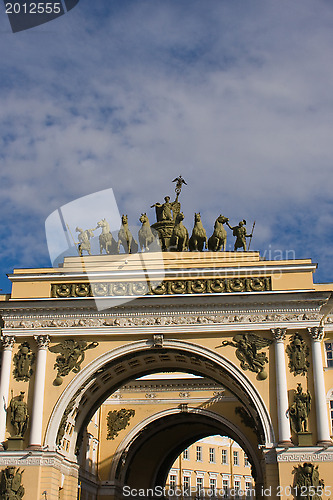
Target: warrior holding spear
240	233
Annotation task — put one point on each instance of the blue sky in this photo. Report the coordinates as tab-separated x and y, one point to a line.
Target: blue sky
235	95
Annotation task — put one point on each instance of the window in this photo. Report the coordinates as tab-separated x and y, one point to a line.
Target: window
187	486
236	457
237	487
331	413
212	455
224	457
186	454
225	487
329	353
199	453
248	488
172	482
212	486
199	486
246	461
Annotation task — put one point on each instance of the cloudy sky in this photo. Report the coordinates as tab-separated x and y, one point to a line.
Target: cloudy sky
234	95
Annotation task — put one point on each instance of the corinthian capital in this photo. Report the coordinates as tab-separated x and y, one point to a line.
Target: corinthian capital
279	334
7	341
317	332
42	341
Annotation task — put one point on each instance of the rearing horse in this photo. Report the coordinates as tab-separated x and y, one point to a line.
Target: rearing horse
218	239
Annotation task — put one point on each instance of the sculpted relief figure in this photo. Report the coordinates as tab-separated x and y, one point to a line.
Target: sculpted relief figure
247	347
19	417
300	409
298	352
10	484
71	354
23	360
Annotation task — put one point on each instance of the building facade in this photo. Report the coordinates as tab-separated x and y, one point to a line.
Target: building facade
260	331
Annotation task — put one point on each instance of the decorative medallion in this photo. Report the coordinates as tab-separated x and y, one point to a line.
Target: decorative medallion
167	287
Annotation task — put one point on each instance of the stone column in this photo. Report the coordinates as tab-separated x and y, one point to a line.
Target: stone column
281	387
7	342
39	388
323	430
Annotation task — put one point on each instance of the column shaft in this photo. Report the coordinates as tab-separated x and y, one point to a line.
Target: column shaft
323	431
7	343
39	389
281	387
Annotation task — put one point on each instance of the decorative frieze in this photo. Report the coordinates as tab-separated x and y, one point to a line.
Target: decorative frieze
160	319
300	456
167	287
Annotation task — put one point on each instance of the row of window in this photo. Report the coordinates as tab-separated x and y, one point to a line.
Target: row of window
212	485
212	456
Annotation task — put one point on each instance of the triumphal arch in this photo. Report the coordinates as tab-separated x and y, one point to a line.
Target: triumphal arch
74	335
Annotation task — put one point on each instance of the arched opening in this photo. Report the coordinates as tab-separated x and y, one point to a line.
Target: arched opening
92	386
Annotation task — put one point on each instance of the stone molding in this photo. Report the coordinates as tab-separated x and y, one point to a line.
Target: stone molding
39	459
161	319
303	456
166	287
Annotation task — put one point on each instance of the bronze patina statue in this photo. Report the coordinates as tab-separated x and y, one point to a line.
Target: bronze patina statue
106	240
218	239
241	235
146	234
307	485
23	361
298	352
166	216
247	347
179	238
199	238
299	410
125	237
10	484
19	417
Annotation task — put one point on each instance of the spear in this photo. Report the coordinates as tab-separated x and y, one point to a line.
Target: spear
251	234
